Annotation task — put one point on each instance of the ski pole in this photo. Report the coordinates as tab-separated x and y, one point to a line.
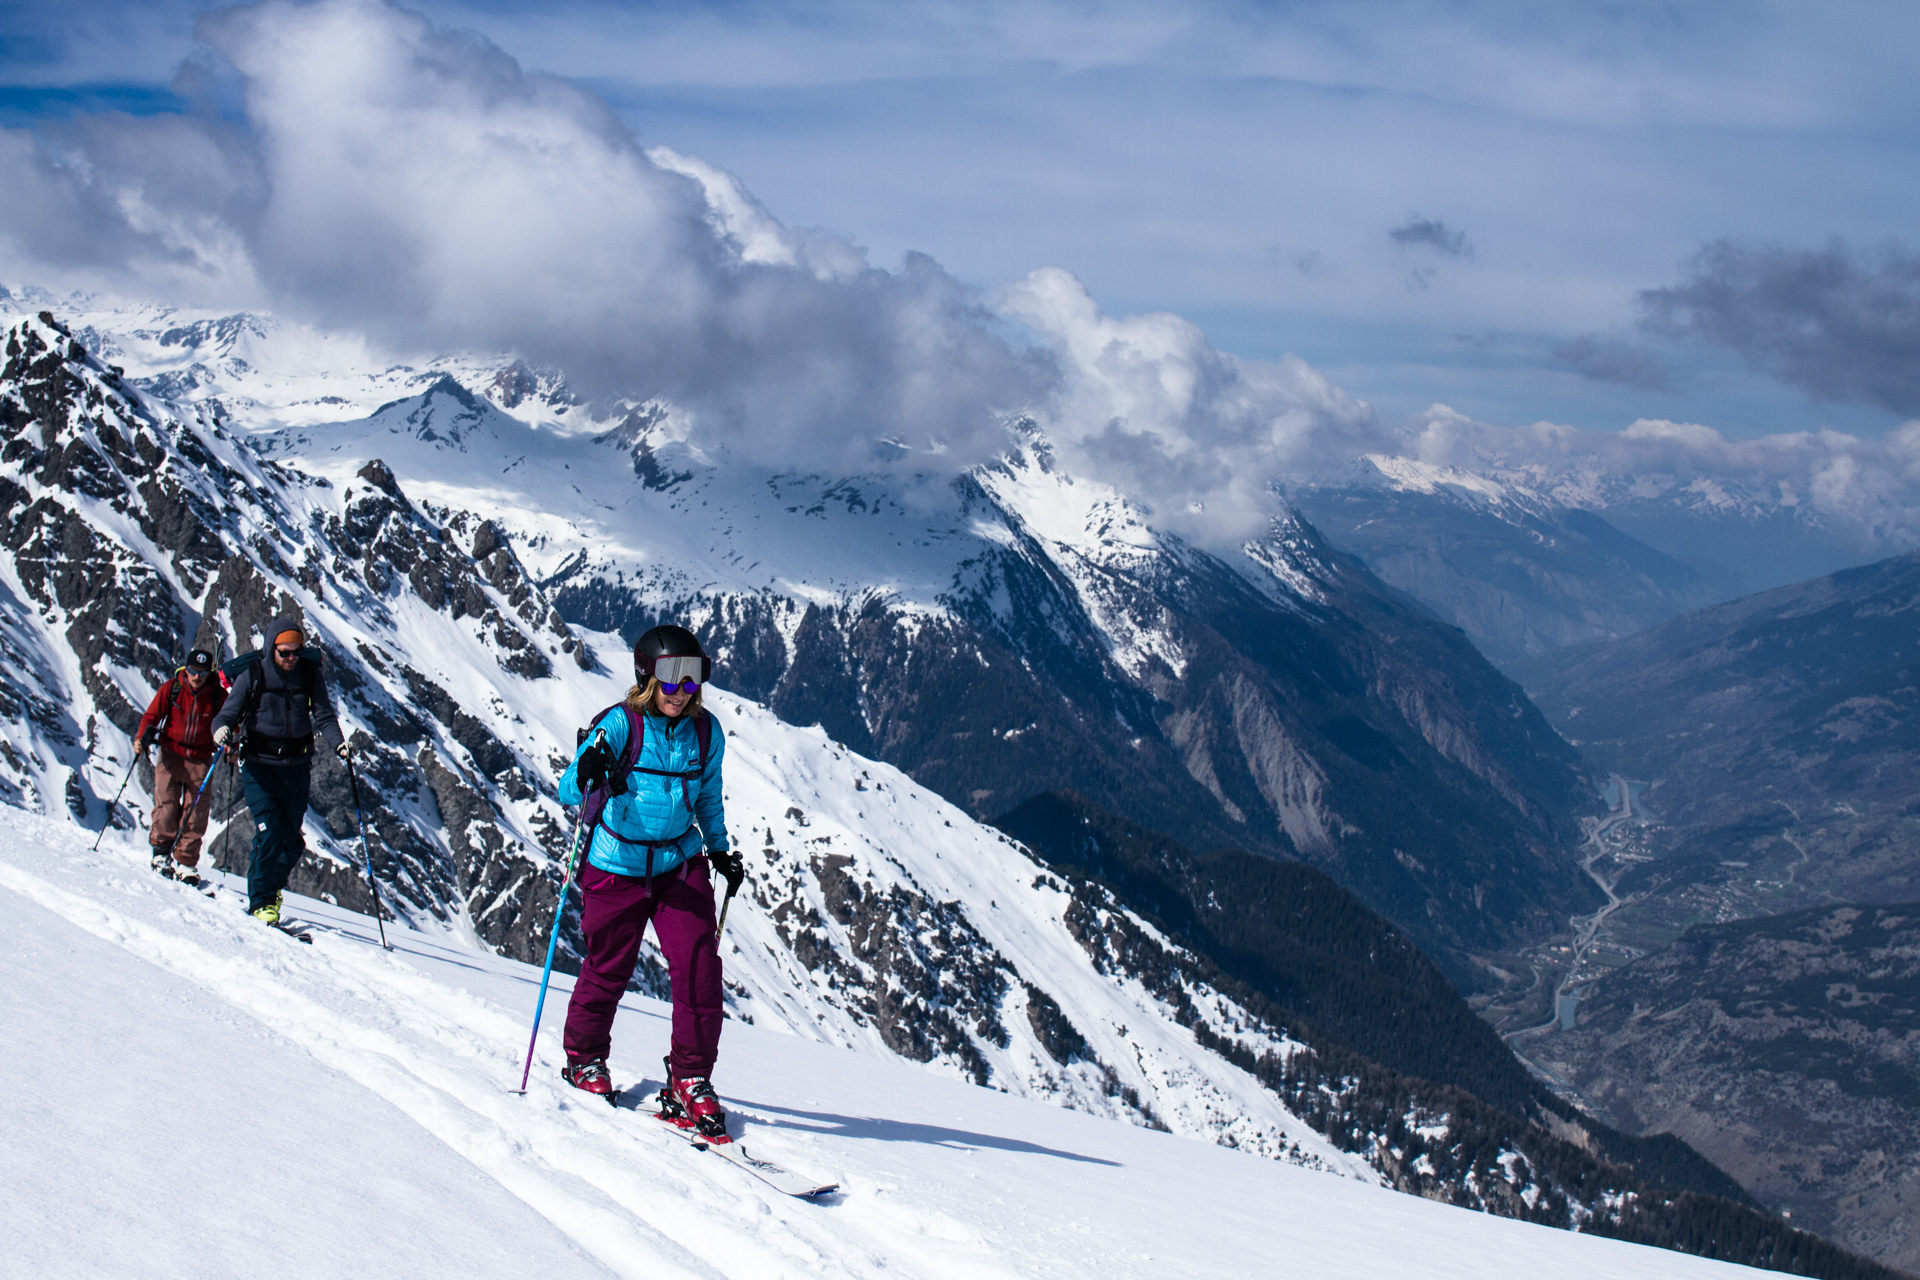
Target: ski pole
553	940
353	785
213	767
226	820
725	902
108	820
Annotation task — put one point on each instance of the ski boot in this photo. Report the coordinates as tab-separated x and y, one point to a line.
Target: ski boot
692	1104
188	876
162	860
590	1076
269	914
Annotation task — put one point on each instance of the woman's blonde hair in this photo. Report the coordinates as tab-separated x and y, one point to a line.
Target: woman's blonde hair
640	698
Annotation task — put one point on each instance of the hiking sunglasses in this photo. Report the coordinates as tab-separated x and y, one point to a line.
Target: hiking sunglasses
678	674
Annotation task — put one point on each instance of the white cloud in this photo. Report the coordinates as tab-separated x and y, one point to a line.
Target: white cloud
1149	404
1865	490
416	184
385	176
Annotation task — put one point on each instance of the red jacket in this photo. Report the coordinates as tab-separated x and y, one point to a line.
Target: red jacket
183	717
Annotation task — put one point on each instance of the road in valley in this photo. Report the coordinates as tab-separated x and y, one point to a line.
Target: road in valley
1586	928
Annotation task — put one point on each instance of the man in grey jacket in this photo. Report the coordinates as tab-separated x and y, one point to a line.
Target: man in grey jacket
280	703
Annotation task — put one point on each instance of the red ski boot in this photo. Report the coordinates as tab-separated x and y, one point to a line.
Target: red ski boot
590	1077
691	1104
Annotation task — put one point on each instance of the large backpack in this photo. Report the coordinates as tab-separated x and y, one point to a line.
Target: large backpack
594	803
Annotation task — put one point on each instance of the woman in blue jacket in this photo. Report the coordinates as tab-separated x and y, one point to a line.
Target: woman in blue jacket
663	825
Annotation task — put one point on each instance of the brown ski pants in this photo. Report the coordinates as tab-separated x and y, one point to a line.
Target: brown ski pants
175	779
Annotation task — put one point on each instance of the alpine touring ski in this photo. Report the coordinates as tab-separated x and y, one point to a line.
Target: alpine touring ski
293	929
783	1180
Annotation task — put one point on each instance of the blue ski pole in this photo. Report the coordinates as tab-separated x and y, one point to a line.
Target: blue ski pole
553	940
366	852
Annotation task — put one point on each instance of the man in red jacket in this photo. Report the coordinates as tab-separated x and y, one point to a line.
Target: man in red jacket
181	719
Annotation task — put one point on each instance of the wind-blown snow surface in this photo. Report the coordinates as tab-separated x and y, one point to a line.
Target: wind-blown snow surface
189	1094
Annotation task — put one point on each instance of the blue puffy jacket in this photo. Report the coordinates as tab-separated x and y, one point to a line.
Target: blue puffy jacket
688	813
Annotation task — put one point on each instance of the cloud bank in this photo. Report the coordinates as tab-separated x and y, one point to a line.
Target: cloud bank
1864	492
355	167
415	184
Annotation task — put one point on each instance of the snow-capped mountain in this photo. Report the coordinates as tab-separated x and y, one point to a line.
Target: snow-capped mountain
1017	630
882	916
886	916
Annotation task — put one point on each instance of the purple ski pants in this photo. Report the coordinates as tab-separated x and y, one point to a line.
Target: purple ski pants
614	918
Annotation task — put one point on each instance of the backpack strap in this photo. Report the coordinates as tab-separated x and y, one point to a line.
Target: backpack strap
703	735
170	698
636	738
629	760
256	688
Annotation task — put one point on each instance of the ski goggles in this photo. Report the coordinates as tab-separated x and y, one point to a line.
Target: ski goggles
679	674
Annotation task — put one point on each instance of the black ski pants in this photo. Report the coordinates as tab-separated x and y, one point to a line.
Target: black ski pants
277	798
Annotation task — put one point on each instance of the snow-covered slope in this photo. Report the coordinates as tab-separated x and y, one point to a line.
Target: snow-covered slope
959	627
191	1095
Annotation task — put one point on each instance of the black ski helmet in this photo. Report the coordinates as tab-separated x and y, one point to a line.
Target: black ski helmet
668	642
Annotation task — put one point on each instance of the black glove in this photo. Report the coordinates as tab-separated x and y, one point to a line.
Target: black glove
596	762
732	868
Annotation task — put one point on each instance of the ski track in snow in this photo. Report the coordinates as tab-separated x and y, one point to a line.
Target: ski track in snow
941	1179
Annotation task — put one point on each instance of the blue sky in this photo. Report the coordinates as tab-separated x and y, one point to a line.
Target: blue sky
1467	203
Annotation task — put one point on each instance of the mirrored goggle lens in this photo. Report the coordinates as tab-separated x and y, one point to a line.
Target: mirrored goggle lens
685	686
677	670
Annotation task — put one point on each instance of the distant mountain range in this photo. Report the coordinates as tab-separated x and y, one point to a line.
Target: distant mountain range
1779	734
1527	564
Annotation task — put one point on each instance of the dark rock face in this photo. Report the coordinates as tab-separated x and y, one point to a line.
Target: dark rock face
73	436
926	973
1332	720
1786	1049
